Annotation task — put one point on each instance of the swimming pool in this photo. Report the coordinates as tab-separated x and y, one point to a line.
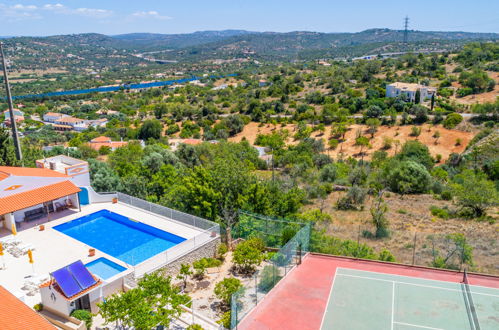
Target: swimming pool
104	268
125	239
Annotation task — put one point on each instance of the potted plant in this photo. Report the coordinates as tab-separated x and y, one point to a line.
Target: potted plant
115	200
91	252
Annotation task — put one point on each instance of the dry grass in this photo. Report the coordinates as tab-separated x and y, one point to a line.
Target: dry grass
408	216
445	146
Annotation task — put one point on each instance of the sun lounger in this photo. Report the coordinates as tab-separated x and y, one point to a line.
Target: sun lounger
11	240
25	247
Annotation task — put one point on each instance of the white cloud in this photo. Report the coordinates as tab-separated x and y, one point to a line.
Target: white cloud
18	12
93	12
88	12
24	7
54	7
150	14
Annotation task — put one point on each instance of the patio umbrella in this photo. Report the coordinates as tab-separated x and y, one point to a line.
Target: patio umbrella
1	254
31	261
14	230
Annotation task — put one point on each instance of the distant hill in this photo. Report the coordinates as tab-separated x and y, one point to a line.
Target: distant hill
96	51
154	40
308	45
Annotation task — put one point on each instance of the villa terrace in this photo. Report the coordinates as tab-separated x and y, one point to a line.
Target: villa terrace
53	249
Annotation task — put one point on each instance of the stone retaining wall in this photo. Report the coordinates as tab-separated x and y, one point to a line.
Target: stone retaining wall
207	250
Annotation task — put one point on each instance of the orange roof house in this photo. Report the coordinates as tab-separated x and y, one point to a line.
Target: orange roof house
15	315
28	193
18	116
104	141
36	196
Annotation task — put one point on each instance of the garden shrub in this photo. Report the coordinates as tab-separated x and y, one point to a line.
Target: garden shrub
225	288
452	120
83	315
439	212
409	178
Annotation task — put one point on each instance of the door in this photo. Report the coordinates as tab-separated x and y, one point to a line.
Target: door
83	302
83	196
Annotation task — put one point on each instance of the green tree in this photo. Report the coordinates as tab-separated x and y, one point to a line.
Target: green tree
226	288
452	120
409	177
373	124
154	302
474	192
457	251
417	152
363	142
247	256
378	213
184	273
7	152
150	129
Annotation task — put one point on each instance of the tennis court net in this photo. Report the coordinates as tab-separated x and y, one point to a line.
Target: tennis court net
468	300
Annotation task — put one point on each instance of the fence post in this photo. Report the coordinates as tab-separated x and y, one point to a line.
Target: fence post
414	249
256	288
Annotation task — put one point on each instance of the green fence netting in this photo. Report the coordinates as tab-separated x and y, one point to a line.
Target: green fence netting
292	241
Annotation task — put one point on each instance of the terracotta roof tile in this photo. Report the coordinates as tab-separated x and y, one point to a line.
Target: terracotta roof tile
36	196
15	315
30	171
113	144
101	139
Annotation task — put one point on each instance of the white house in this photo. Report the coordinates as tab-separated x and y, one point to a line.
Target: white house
409	90
18	115
28	194
77	169
69	121
52	117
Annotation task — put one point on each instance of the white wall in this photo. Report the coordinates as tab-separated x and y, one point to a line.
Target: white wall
94	197
60	303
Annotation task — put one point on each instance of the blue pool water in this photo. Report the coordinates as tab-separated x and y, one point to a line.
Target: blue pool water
119	236
104	268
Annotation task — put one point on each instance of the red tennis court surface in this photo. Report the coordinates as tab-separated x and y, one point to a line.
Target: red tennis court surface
300	299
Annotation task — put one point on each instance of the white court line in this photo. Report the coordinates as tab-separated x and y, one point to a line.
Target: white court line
329	297
418	326
393	302
419	278
414	284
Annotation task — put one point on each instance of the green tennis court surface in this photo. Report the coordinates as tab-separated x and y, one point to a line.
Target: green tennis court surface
369	300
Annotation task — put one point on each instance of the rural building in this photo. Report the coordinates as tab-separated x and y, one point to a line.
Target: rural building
28	194
69	121
52	117
104	141
409	91
77	169
18	115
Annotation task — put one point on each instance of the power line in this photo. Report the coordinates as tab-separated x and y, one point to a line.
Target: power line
13	123
406	29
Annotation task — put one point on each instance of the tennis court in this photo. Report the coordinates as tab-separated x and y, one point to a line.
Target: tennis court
371	300
341	293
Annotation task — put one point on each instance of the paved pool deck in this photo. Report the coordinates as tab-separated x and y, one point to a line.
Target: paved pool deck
54	249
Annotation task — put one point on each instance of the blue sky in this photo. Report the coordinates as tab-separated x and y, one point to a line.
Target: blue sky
24	17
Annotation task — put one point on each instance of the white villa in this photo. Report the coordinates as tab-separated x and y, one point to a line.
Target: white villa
36	202
409	90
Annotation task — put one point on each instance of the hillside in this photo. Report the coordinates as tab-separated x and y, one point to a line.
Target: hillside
100	52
